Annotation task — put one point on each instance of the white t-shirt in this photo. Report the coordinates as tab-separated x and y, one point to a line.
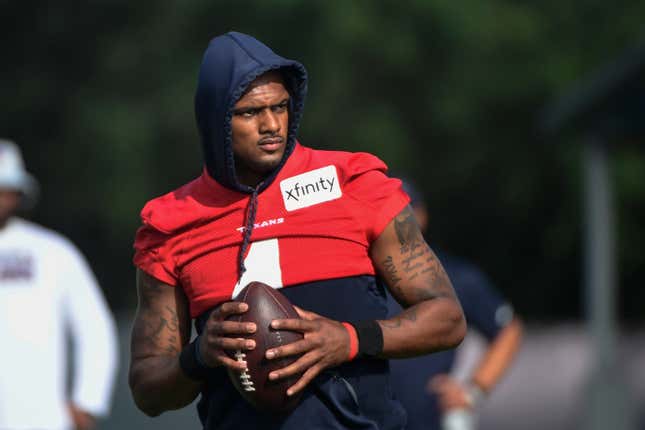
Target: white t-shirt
46	288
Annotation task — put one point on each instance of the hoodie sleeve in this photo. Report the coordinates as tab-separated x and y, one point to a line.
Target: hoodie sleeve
381	198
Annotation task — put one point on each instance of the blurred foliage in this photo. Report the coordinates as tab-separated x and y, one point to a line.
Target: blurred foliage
99	94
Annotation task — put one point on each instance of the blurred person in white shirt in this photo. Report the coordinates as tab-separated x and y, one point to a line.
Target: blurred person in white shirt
48	292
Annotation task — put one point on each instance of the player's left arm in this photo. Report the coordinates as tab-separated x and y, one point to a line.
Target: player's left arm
432	318
433	321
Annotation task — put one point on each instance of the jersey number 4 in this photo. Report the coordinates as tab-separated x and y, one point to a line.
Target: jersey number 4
262	265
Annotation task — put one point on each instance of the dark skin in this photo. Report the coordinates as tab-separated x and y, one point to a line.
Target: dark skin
161	328
259	127
9	202
432	321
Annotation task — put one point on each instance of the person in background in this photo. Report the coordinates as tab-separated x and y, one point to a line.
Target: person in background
47	290
433	398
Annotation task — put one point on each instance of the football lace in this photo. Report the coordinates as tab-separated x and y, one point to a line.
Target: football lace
245	378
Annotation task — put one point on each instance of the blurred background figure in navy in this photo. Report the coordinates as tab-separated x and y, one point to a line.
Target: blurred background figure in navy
431	395
47	290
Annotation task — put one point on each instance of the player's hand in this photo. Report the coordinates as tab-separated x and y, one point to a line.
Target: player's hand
325	344
81	419
451	394
220	335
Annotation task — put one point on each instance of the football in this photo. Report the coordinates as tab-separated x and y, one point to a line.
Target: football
265	305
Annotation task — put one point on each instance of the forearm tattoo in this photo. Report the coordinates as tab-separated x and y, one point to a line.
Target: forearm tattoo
163	330
156	327
391	272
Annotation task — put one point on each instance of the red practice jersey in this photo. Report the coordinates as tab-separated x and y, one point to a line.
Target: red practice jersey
315	221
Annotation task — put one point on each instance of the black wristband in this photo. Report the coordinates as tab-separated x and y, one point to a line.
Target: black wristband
370	338
190	362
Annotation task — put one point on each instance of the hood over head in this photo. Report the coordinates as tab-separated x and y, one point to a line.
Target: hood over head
231	62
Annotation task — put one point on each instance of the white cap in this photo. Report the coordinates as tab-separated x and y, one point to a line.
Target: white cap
13	175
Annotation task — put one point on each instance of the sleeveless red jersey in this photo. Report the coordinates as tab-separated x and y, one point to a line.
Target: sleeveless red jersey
315	221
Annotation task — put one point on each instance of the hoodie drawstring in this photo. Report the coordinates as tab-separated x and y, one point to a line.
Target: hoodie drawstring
250	222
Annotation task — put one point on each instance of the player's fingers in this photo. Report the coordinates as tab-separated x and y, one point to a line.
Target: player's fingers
304	380
231	328
298	347
238	363
294	324
217	357
299	366
307	315
229	343
229	308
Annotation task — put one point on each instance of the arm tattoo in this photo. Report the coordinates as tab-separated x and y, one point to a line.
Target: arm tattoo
148	292
391	271
406	229
156	327
417	263
408	314
161	330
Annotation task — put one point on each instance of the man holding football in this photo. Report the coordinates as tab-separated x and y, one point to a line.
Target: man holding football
328	228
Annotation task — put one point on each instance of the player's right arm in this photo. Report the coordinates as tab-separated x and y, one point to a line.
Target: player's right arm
161	329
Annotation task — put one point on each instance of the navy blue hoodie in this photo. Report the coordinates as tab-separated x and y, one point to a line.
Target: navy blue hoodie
355	395
231	62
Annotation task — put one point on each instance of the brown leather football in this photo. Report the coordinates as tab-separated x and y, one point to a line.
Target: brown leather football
265	305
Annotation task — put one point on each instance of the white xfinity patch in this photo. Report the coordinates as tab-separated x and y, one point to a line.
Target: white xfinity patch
310	188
